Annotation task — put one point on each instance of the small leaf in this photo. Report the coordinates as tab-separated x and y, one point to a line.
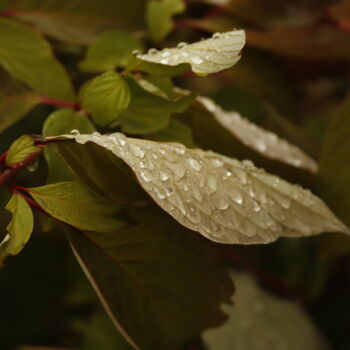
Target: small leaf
226	200
74	204
105	97
159	17
20	149
59	122
261	321
148	276
28	57
112	49
208	56
260	140
19	229
148	112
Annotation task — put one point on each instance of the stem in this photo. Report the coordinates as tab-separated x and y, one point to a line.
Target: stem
10	173
7	13
60	103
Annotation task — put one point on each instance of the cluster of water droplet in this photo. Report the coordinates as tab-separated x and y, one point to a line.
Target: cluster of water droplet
257	138
224	199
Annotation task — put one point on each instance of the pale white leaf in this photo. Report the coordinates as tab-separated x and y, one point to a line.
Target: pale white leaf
212	55
260	140
261	321
226	200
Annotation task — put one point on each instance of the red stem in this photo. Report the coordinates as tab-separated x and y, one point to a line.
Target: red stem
7	13
60	103
215	11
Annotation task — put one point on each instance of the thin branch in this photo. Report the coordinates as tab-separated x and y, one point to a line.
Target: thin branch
59	103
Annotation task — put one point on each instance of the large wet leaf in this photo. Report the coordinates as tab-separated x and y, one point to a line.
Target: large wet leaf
226	200
29	58
149	275
261	321
259	139
19	229
212	55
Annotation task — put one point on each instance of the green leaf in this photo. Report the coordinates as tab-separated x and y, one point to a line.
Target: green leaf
28	57
261	321
334	174
81	21
105	97
74	204
208	56
147	112
15	107
111	50
105	174
19	229
63	121
225	200
159	17
176	131
20	149
150	274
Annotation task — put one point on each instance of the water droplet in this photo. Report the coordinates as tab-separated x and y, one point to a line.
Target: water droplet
260	145
222	204
75	132
136	52
256	207
197	194
194	164
164	61
166	53
160	194
248	163
227	175
145	176
180	150
197	60
169	191
212	183
154	156
217	163
142	165
237	197
136	150
217	35
186	187
178	170
152	51
185	54
163	176
181	45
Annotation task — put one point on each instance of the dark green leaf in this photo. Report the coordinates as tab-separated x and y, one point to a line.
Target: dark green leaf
19	229
74	204
28	57
20	149
160	283
111	50
105	97
147	112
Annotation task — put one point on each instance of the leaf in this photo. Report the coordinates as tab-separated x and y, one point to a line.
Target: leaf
105	97
74	204
208	56
19	229
110	50
147	112
59	122
324	42
159	17
105	174
225	200
334	174
15	107
20	149
176	131
259	139
261	321
28	57
80	21
150	274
